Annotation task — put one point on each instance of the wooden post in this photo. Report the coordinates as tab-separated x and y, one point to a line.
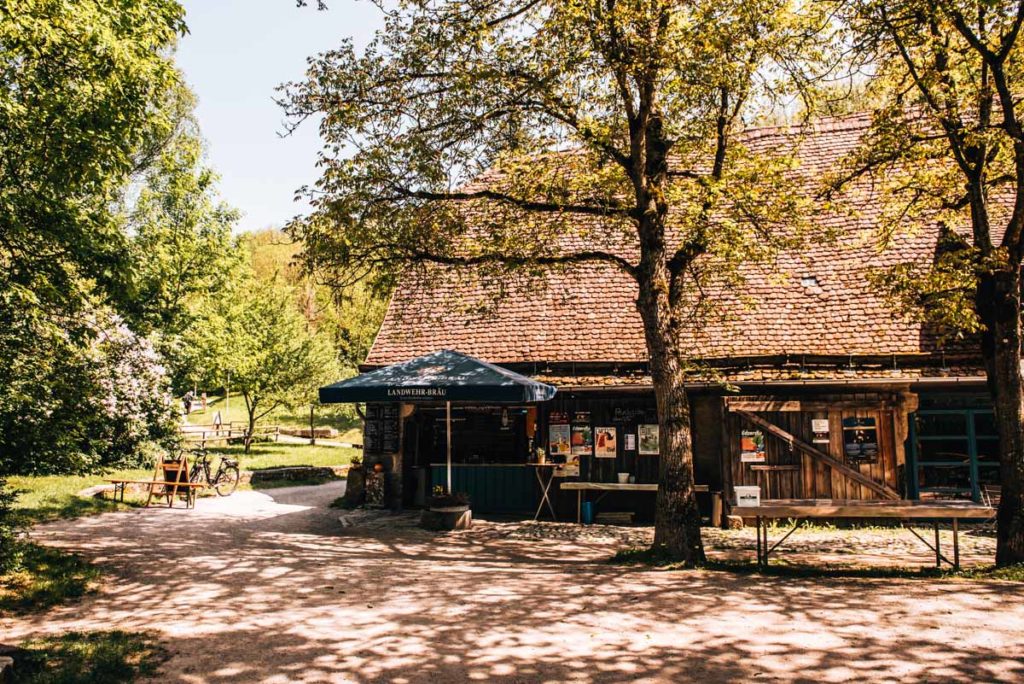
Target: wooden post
448	437
312	431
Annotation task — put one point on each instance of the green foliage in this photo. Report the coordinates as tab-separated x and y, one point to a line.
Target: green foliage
10	547
71	406
181	248
255	336
947	88
940	291
478	97
100	657
87	98
181	244
47	577
349	317
80	85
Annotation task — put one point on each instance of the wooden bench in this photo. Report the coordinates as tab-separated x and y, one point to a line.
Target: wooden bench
189	488
608	487
170	474
903	511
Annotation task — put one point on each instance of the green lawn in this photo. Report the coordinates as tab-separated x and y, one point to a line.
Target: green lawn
277	454
341	419
52	497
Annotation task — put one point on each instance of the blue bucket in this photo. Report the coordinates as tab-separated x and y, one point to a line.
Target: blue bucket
587	512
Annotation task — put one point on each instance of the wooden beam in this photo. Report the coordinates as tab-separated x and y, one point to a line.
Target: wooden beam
836	465
795	405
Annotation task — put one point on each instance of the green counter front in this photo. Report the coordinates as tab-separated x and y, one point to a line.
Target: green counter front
492	488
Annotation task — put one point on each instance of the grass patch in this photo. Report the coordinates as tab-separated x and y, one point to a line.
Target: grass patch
658	559
277	454
305	482
47	577
44	498
102	657
1011	573
342	420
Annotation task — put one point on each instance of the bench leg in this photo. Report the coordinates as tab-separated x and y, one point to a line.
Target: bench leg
758	524
956	544
938	554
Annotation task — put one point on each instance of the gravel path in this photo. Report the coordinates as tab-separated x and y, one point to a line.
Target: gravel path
273	587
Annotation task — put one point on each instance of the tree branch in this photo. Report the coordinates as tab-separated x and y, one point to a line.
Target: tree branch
527	205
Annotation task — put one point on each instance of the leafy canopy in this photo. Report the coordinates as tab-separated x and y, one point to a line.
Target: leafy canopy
254	340
947	142
574	122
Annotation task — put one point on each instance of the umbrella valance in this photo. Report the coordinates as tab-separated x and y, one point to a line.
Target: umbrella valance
442	376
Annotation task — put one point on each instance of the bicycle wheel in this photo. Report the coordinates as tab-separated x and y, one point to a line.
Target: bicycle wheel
227	480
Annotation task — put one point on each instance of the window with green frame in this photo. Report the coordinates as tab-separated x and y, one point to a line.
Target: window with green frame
955	450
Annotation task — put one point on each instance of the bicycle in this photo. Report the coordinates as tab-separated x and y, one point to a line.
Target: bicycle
224	481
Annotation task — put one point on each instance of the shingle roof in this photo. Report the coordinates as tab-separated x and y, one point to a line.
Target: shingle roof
587	313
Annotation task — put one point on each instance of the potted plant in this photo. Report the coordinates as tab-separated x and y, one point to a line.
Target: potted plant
447	511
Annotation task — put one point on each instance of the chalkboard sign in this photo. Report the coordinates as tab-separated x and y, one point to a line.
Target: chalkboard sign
382	433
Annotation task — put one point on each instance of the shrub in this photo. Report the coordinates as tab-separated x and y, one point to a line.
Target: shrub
10	548
85	395
445	500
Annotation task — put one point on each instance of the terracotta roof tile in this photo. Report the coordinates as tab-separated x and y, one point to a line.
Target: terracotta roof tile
587	313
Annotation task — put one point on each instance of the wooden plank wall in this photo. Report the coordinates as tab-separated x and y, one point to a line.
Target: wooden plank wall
795	475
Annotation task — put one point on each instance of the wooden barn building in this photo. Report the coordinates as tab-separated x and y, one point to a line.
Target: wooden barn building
822	391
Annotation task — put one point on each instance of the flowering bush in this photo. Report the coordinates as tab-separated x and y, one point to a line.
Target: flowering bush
80	396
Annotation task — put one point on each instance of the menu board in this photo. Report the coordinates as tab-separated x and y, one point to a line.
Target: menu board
382	431
860	440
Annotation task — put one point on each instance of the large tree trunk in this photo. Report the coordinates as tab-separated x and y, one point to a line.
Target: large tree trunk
676	517
999	303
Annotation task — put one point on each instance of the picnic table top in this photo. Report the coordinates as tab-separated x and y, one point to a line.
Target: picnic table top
845	508
615	486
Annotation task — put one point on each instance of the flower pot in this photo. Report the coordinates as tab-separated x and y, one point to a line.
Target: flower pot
447	518
623	478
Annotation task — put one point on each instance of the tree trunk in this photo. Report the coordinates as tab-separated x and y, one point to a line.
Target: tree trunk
999	303
251	430
676	517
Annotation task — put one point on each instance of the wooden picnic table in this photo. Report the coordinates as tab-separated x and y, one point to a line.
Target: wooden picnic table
800	510
608	487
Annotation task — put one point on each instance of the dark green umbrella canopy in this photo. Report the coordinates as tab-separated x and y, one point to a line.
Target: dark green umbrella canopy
442	376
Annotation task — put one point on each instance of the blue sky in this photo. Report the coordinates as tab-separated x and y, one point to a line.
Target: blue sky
236	53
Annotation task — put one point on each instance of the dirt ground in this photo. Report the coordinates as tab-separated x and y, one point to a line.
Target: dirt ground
273	587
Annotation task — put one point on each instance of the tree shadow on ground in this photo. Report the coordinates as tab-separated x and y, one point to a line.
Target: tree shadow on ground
280	594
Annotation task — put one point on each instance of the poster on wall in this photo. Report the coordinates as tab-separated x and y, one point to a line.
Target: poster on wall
647	435
582	440
860	440
571	467
605	442
558	440
752	446
630	442
819	430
